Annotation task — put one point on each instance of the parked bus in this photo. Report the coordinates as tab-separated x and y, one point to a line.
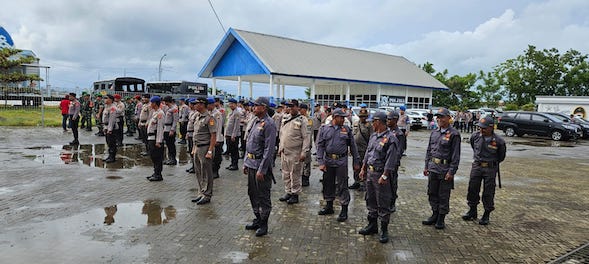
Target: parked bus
177	87
121	84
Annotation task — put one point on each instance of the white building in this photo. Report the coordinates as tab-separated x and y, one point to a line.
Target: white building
577	105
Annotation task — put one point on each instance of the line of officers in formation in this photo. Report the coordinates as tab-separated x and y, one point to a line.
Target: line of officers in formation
267	131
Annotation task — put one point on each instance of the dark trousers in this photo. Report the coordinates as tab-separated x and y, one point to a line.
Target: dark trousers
111	142
171	145
394	181
242	140
486	175
259	193
218	158
64	118
190	147
232	147
378	197
74	126
157	157
183	129
315	132
119	133
404	139
362	153
335	183
438	191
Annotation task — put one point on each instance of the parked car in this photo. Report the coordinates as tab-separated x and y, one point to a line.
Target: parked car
371	111
417	120
567	119
533	123
584	123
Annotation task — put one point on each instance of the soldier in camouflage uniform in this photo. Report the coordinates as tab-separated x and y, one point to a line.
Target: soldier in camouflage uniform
129	116
86	111
97	110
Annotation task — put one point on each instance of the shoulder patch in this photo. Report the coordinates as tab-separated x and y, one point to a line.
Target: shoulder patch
211	121
159	115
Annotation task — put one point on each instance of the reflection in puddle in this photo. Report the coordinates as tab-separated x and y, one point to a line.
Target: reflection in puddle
236	256
128	156
546	143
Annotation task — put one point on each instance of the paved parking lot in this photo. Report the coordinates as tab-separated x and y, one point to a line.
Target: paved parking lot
63	205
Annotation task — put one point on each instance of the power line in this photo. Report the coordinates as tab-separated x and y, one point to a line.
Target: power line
217	16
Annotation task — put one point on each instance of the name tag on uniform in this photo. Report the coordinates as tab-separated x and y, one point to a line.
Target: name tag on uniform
447	137
297	124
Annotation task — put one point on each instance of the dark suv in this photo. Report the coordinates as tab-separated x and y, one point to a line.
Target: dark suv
533	123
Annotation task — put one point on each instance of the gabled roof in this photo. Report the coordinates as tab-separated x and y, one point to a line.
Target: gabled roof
248	53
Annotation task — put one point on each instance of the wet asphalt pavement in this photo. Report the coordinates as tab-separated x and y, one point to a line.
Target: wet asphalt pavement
60	204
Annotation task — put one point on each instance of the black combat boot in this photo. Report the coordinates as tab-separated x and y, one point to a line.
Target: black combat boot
440	223
354	186
343	215
431	220
471	214
293	199
263	229
305	181
384	232
215	174
485	219
285	198
255	223
371	228
328	209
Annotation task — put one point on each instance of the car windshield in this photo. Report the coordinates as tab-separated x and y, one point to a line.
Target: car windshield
561	118
555	118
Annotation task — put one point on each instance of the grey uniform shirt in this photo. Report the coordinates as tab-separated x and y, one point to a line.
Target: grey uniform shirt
109	118
204	126
261	142
219	119
487	149
183	115
190	126
444	145
146	112
233	120
171	119
155	126
120	108
74	109
294	136
334	139
362	133
317	120
383	151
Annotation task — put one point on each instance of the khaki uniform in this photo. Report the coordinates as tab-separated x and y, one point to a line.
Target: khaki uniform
204	127
155	134
295	142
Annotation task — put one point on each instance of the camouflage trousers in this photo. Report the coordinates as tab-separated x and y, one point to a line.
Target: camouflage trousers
131	125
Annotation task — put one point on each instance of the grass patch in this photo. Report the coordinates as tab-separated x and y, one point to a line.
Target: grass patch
16	116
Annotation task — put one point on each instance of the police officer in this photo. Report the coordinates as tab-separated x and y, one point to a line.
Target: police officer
293	150
441	163
404	123
392	119
333	143
205	138
318	119
217	159
258	165
307	163
488	151
129	114
97	110
378	167
109	118
171	121
74	113
144	116
121	118
362	131
183	118
232	133
190	131
155	138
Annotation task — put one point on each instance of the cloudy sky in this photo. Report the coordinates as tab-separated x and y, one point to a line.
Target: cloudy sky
84	40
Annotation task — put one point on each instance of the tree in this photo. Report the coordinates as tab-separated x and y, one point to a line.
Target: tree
10	61
489	90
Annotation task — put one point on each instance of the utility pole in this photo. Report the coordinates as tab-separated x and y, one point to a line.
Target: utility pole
159	76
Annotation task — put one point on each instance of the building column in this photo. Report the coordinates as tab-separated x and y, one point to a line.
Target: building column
348	95
312	106
214	86
283	90
251	90
239	87
271	86
378	94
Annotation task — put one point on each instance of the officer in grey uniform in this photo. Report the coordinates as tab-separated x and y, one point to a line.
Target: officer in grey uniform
183	119
441	163
171	121
362	131
293	150
190	131
333	143
378	167
121	118
307	162
109	118
257	165
392	119
232	133
488	151
144	116
205	138
155	138
217	159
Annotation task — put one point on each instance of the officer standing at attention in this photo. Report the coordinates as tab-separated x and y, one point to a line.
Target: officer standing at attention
258	165
171	121
86	111
362	131
190	131
217	159
120	118
441	163
109	118
404	123
98	110
155	138
205	138
392	119
378	167
144	116
74	113
293	150
232	133
129	115
183	118
333	143
307	165
488	151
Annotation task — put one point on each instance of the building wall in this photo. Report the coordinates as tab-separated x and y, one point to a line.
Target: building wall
578	105
364	93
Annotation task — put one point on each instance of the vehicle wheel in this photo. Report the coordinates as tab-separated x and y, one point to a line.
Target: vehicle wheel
556	135
509	131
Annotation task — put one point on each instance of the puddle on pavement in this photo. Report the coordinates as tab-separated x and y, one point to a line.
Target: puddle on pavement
96	235
545	143
128	156
114	177
236	256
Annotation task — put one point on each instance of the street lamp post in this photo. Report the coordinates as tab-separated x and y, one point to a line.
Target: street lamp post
46	87
159	77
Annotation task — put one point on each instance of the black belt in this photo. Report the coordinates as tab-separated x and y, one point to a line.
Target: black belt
143	121
486	164
189	130
372	168
336	156
168	124
440	161
202	145
151	134
253	156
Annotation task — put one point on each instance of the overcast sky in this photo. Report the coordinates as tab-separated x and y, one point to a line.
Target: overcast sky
83	41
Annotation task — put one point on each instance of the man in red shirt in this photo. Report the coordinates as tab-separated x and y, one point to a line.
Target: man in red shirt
64	106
